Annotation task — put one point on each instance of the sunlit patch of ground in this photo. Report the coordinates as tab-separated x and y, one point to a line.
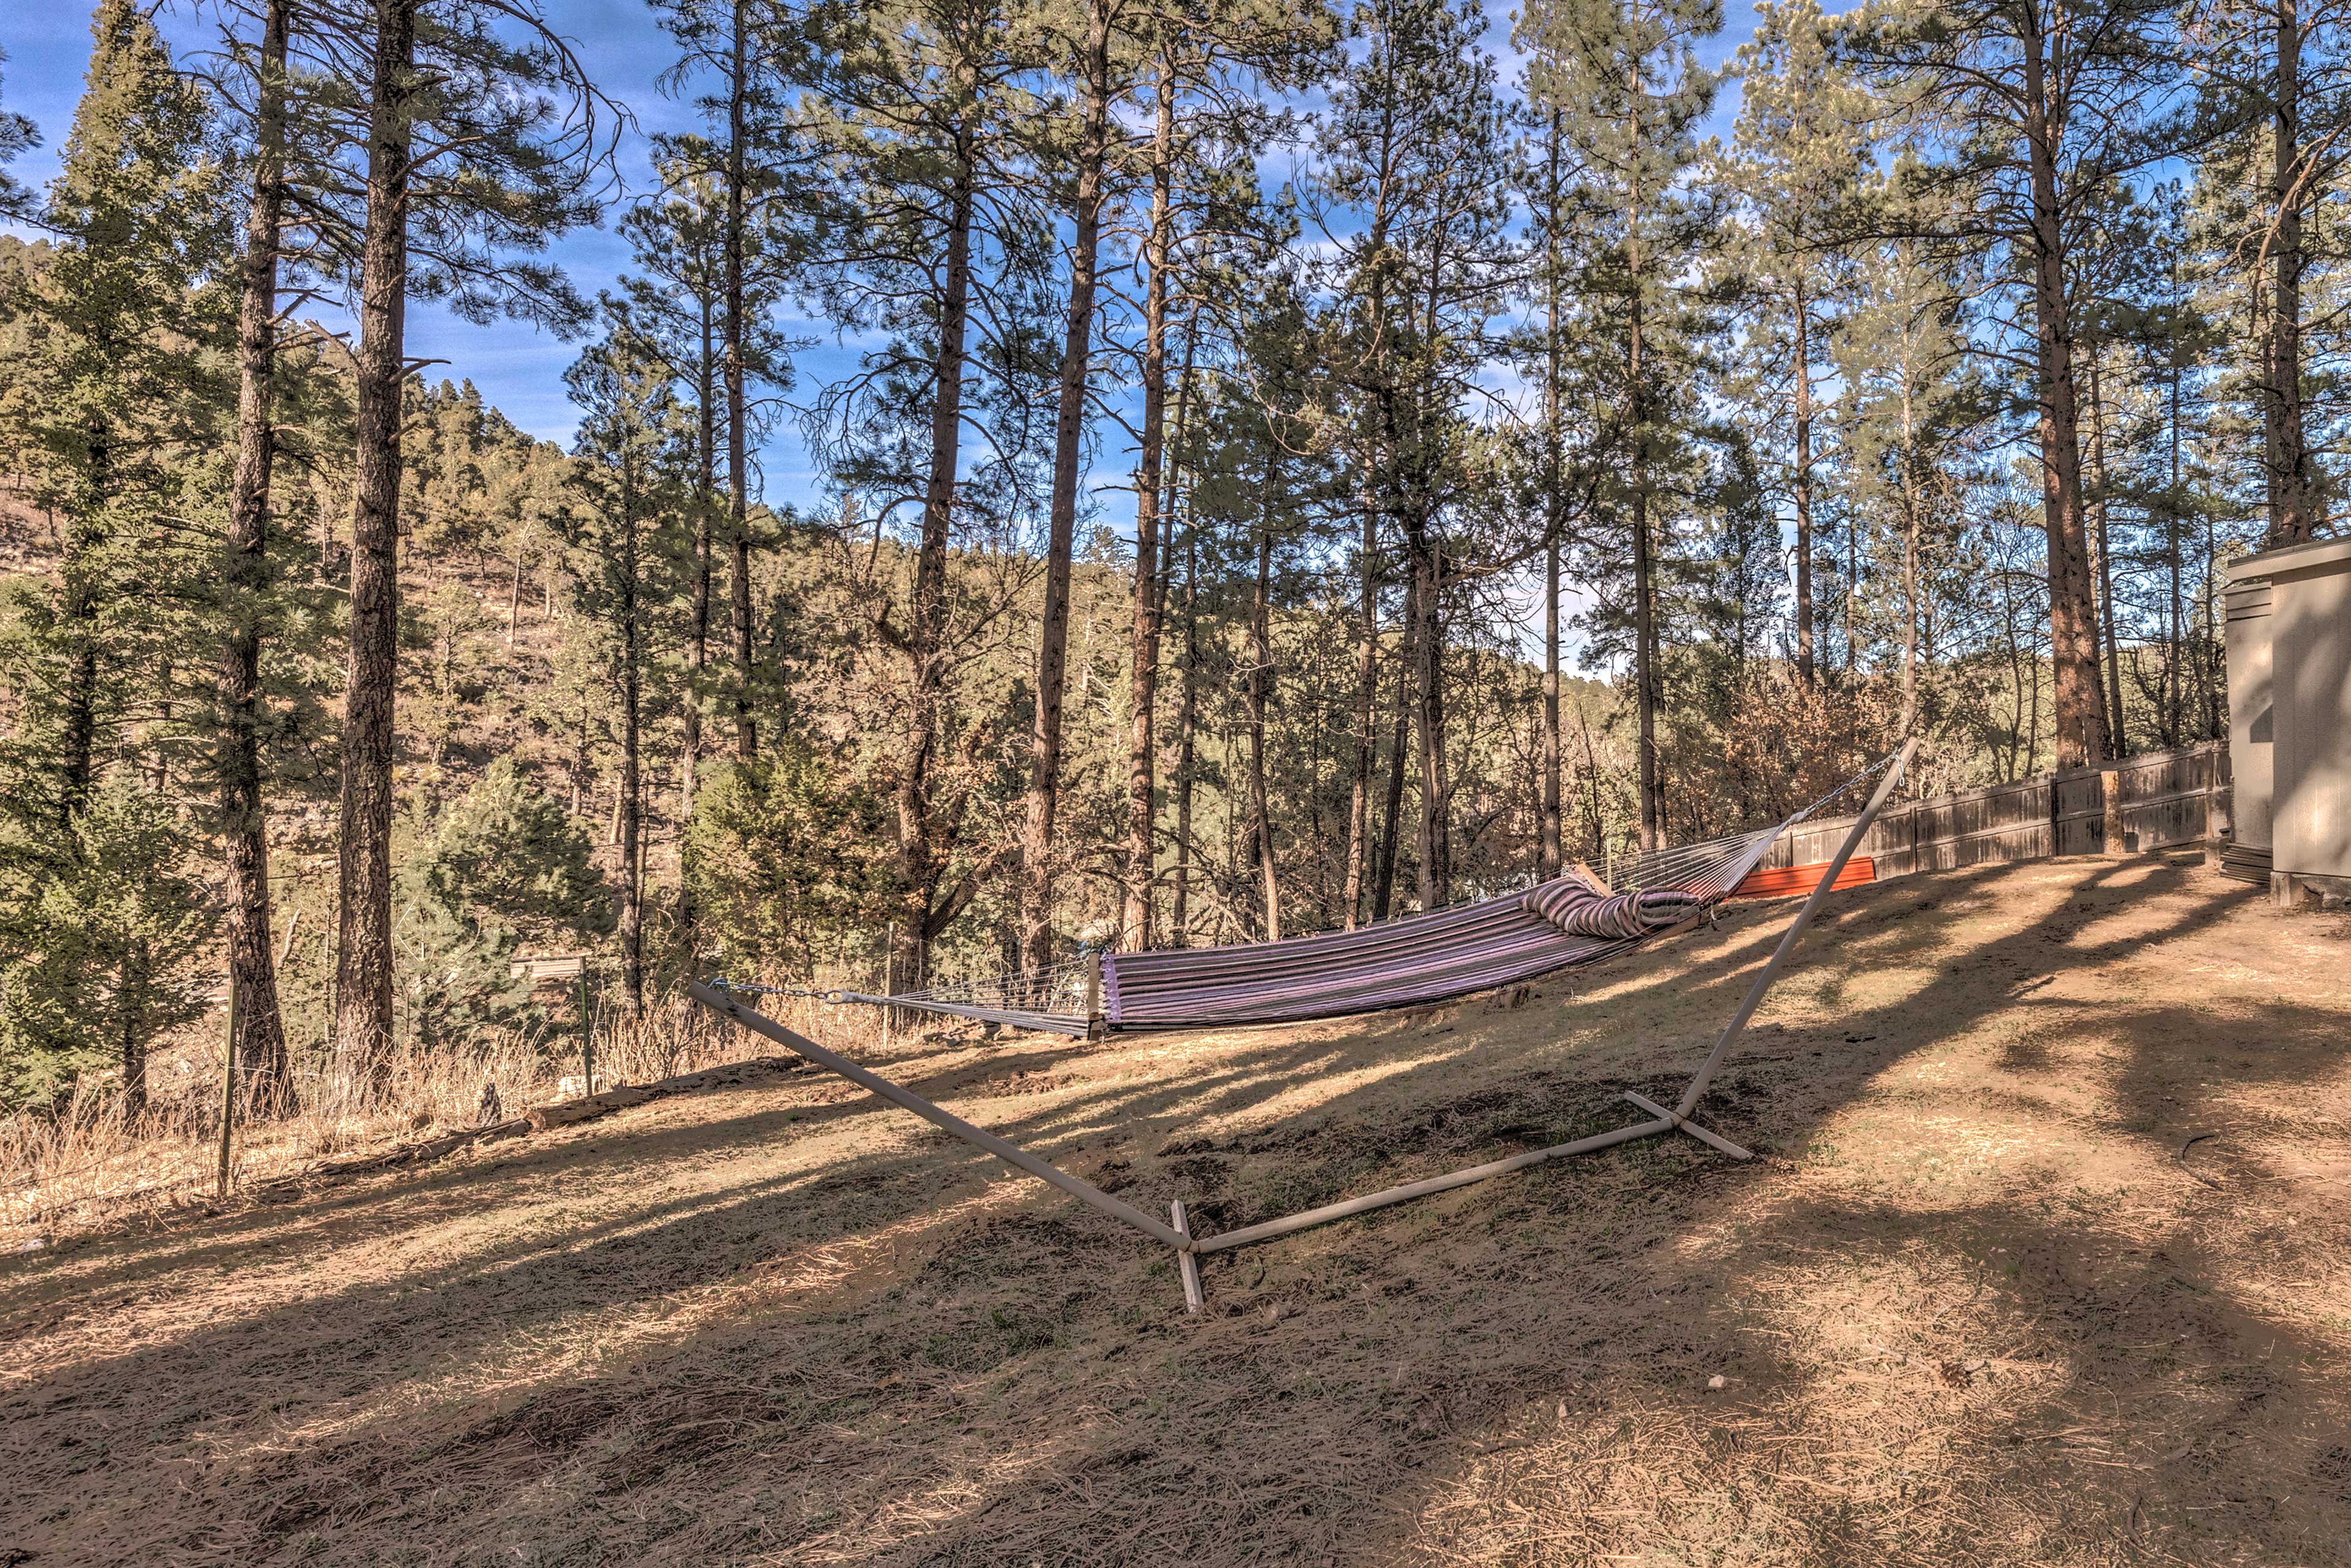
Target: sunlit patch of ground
2047	1260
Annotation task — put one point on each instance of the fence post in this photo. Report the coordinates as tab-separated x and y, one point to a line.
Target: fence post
2211	750
228	1087
2110	791
587	1038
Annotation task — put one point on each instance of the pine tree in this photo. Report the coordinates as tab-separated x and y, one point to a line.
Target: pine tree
933	248
1089	161
260	1045
1625	75
756	160
117	394
626	544
103	930
1801	141
17	135
474	139
1416	142
2033	106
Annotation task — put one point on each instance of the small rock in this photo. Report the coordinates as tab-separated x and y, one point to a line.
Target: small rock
32	1244
1714	1382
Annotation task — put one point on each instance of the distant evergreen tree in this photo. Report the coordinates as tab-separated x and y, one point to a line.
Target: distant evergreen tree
117	394
629	536
16	134
121	405
102	935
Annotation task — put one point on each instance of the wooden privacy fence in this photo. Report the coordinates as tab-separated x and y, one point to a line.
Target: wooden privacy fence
2147	802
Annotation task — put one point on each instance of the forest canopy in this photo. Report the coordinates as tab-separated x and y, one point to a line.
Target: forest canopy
1279	465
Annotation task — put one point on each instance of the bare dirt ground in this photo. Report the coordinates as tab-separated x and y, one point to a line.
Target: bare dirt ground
2048	1261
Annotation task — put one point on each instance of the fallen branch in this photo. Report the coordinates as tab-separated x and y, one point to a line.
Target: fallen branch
2182	1157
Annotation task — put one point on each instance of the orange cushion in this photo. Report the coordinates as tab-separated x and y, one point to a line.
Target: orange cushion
1788	880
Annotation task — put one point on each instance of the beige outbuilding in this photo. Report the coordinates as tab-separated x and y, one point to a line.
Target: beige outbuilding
2290	715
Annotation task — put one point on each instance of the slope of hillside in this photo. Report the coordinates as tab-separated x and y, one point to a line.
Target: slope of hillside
2046	1263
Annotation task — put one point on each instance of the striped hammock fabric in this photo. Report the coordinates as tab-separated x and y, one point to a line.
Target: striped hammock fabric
1423	958
1579	909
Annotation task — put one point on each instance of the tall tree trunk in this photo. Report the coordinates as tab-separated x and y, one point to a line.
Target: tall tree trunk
631	792
1186	723
921	856
1435	845
1069	444
1141	756
2108	621
1645	631
738	477
2073	629
2292	498
260	1043
706	506
1549	858
1804	357
363	962
1260	679
2174	670
697	625
1367	682
1910	504
1400	737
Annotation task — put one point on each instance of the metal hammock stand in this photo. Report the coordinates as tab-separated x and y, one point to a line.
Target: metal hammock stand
1176	1231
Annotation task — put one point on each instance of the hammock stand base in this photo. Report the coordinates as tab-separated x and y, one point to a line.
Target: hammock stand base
1188	1248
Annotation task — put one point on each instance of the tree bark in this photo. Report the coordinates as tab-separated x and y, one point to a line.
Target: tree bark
260	1044
1804	357
1261	675
1547	856
1435	838
363	961
1186	726
1391	832
631	792
1367	682
1645	673
2174	670
697	626
922	854
1142	758
1910	722
738	478
1069	444
2073	645
2117	728
2292	498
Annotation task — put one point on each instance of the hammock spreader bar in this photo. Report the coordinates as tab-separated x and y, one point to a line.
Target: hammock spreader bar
1179	1235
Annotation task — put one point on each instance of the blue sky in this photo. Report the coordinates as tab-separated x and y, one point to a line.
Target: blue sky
517	367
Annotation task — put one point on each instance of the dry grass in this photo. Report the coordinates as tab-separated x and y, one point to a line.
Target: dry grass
87	1168
1982	1302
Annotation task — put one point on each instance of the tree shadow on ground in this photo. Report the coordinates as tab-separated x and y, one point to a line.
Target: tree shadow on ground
875	1350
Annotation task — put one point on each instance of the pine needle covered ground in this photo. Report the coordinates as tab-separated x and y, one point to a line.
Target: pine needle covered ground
2049	1261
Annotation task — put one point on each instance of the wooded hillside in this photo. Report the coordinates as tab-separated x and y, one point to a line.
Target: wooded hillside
1293	466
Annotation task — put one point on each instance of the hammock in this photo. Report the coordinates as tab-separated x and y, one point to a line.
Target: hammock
1669	888
1563	924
